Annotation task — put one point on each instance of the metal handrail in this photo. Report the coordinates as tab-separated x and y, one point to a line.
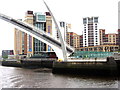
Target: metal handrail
36	29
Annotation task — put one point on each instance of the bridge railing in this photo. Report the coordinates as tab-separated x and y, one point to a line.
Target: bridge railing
38	30
2	15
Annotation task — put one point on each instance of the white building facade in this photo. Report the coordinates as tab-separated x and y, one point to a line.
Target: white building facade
90	32
64	28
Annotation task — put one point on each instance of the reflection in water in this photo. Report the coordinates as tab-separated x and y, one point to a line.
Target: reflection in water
36	78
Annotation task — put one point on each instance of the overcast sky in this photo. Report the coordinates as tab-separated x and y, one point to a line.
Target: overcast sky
70	11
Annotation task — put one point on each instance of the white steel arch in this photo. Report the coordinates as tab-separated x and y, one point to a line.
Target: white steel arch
59	33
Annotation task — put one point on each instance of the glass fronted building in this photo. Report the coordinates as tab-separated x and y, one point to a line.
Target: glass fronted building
40	23
25	43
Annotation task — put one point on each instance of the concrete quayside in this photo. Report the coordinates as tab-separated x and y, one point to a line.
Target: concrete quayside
97	67
107	66
30	63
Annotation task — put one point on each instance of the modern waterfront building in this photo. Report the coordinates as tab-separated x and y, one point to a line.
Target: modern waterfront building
108	42
81	41
29	18
20	42
23	43
90	32
73	39
111	39
26	44
40	23
102	36
64	27
63	30
108	39
48	28
100	48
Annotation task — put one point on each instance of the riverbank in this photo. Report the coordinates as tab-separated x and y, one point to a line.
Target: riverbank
110	67
31	63
11	63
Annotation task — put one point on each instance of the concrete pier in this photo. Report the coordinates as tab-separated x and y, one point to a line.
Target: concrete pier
108	67
11	63
97	68
38	63
30	63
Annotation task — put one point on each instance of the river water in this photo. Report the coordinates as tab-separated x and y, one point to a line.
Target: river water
12	77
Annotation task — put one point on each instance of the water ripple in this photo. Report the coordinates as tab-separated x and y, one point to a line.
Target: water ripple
31	78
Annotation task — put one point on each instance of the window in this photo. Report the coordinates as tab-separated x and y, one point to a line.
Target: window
62	24
90	19
84	20
48	29
96	19
41	17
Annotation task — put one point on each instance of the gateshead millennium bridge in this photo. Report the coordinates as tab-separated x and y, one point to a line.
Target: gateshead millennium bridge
61	49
